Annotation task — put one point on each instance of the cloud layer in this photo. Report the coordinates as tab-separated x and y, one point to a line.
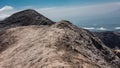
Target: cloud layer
71	13
117	28
5	11
96	28
83	12
6	8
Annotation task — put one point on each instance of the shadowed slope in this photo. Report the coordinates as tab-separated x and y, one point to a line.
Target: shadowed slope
109	38
24	18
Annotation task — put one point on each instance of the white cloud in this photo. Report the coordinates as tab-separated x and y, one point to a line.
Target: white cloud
117	28
5	11
89	28
83	12
101	28
6	8
95	28
45	9
72	13
2	16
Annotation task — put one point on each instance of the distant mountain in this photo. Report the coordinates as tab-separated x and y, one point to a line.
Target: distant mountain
34	41
118	30
110	38
109	23
24	18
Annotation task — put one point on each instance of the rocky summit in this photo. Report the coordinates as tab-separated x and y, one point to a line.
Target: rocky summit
24	18
45	44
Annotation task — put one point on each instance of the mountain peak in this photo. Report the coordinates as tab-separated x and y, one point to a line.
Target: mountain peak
24	18
28	11
32	10
64	24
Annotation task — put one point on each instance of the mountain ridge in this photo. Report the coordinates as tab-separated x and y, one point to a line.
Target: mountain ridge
57	45
24	18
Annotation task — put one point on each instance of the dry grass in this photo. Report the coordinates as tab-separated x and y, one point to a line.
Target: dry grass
37	47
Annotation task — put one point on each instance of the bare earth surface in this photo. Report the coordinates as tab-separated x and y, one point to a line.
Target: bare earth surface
61	45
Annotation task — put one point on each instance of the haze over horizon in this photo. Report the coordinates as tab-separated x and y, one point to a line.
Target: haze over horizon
89	14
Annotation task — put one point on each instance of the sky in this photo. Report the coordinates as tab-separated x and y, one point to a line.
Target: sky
89	14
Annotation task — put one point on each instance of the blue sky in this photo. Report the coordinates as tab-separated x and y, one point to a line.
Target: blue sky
86	13
47	3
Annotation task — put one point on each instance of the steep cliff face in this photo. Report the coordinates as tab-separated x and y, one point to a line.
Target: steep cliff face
61	45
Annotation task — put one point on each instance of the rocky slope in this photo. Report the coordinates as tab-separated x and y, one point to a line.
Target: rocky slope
24	18
117	52
59	45
110	38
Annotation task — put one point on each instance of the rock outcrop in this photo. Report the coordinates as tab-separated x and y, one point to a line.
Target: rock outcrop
61	45
117	52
